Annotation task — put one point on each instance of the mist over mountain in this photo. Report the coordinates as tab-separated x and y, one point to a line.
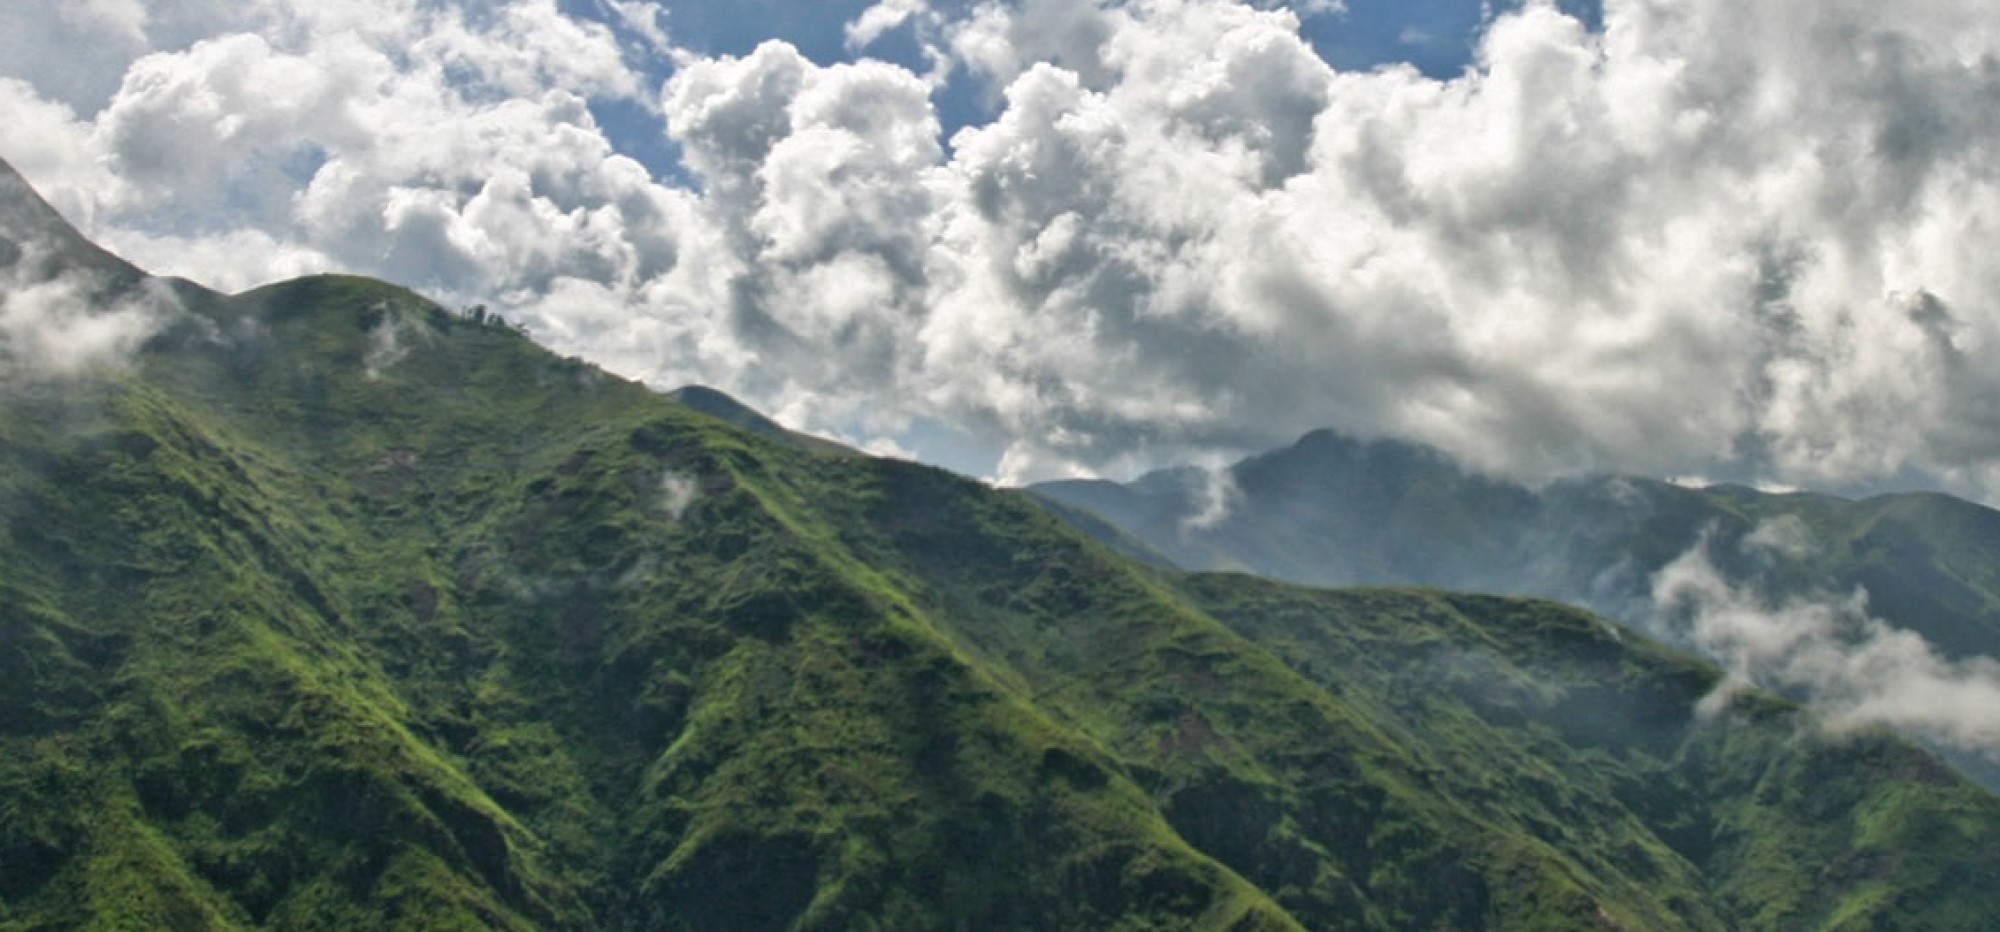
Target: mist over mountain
323	607
1335	511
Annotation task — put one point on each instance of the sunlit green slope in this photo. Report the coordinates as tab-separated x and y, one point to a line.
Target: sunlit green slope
333	610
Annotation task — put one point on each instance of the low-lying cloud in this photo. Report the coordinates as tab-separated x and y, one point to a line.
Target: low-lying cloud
73	324
1855	668
1219	498
1710	238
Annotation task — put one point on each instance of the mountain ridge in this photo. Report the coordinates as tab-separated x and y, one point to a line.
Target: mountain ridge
331	609
1327	496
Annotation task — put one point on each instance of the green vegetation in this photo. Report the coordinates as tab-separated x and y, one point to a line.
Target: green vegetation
337	611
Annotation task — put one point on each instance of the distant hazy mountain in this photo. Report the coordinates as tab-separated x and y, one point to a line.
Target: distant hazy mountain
1331	510
324	608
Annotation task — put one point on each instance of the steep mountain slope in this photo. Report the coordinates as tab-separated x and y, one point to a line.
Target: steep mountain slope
329	609
343	652
1331	510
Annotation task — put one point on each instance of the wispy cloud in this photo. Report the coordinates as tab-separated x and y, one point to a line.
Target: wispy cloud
389	340
1220	495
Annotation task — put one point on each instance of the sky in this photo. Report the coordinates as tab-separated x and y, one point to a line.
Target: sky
1029	239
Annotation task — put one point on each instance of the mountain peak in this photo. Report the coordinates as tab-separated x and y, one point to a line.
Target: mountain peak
33	232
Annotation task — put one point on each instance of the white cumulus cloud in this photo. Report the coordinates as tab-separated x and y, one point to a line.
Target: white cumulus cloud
1705	239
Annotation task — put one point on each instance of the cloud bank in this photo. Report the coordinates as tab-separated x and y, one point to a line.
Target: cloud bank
1707	238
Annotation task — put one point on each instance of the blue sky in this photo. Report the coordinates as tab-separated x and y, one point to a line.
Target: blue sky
1437	36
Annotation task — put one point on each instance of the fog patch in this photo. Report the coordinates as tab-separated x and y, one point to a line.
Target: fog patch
678	491
74	323
1856	669
1786	535
1721	697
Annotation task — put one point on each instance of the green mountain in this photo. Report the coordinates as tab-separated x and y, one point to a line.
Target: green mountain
1334	511
328	609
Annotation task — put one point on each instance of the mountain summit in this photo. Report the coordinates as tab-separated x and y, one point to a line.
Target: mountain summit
329	609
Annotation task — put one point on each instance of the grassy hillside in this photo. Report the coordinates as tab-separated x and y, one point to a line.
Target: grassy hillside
303	647
333	610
